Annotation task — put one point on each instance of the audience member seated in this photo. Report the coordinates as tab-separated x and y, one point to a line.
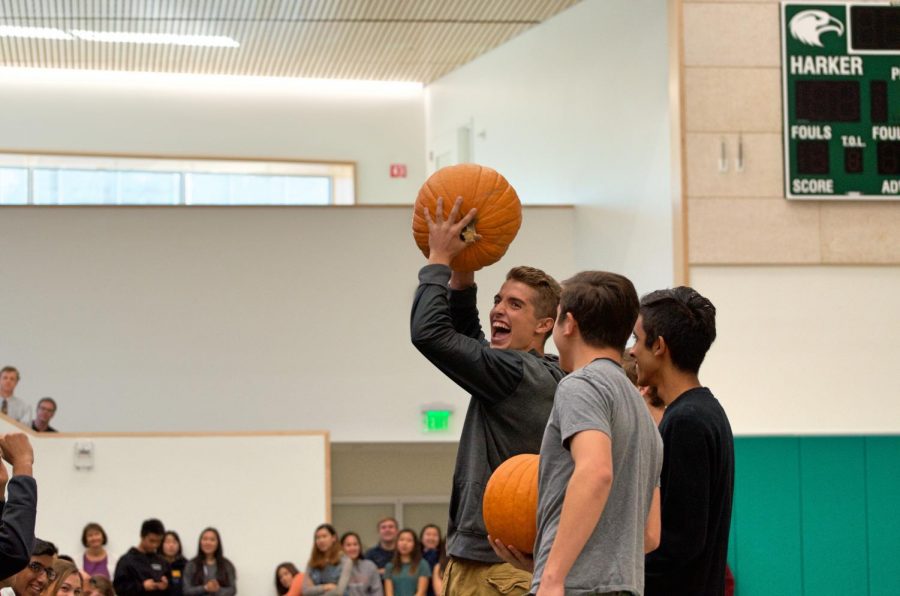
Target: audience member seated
171	552
288	579
328	570
430	538
96	559
209	572
382	553
408	573
46	409
437	574
18	512
68	580
84	575
364	579
99	586
11	405
140	570
39	572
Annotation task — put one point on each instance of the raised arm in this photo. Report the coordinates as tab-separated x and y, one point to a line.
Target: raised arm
474	366
20	510
463	305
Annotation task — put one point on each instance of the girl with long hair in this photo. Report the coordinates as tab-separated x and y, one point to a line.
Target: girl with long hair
430	537
364	579
328	570
171	552
408	574
68	580
288	580
209	572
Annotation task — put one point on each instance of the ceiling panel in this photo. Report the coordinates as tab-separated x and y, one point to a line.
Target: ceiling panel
390	40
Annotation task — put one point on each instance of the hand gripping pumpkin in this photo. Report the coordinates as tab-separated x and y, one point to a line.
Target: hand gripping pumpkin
497	221
510	502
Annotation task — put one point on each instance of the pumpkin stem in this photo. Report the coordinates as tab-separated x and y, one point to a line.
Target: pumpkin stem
468	234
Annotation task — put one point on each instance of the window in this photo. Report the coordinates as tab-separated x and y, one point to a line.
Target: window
87	180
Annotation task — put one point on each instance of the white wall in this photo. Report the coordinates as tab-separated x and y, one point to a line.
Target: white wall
127	114
147	319
264	493
576	110
807	350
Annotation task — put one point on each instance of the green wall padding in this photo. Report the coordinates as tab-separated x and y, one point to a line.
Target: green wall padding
767	520
816	516
883	491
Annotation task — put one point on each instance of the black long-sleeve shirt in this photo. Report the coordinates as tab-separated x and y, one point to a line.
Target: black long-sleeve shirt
696	490
17	518
512	395
135	567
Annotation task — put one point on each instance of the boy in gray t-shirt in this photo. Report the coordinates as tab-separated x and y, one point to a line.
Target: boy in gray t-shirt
601	457
598	398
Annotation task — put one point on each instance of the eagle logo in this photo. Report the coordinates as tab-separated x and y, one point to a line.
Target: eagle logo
807	26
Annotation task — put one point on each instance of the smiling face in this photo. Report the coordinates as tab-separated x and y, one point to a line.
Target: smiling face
94	538
647	364
351	546
514	325
387	531
32	580
71	586
431	538
209	543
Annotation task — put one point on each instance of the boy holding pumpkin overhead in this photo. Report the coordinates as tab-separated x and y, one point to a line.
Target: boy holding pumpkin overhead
601	457
511	381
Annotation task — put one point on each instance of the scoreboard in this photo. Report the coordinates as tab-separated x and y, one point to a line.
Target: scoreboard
841	100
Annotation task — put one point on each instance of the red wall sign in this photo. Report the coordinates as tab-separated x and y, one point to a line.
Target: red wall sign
398	170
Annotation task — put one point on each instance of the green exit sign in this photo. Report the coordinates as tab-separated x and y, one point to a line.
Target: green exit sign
437	420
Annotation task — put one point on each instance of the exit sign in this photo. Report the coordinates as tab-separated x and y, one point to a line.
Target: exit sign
436	420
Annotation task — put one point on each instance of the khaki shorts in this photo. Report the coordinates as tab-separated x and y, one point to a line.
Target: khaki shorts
472	578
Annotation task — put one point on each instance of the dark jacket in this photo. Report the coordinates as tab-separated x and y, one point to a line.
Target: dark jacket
135	567
17	517
176	571
512	395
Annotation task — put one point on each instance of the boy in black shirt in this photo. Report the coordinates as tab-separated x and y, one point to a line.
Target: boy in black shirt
673	333
142	570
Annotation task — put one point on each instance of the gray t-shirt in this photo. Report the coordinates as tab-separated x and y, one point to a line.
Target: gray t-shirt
600	397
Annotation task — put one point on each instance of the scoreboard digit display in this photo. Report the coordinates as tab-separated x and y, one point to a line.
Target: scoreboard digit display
841	100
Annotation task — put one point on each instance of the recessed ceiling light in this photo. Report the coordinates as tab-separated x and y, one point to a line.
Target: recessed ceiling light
210	41
33	32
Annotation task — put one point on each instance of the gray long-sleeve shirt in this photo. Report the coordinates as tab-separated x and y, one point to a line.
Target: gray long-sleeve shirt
192	586
512	395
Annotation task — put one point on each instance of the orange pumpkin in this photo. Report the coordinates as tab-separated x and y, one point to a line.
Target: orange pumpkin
497	221
510	502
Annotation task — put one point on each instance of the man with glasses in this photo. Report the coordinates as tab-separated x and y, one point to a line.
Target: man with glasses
46	410
39	572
